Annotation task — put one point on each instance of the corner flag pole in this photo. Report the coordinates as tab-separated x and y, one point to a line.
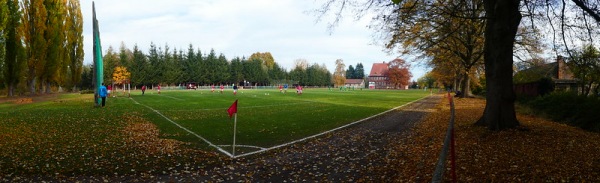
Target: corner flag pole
233	111
234	131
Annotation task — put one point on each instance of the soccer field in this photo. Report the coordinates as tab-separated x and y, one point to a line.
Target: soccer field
266	118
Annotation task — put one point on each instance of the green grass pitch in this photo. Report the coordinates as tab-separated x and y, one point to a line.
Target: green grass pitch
265	118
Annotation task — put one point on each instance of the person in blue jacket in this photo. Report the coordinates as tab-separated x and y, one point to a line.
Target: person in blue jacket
103	92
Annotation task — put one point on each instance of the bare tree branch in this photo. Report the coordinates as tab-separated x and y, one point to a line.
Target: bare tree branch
586	8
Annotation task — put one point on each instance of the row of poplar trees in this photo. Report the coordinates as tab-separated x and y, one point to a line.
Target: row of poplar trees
41	45
167	66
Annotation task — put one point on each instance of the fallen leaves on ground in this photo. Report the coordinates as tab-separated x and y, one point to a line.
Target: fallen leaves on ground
65	148
131	150
538	151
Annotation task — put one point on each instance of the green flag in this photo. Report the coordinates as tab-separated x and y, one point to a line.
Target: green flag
98	65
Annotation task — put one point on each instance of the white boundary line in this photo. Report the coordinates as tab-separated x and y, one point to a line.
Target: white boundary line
243	107
277	146
176	124
247	146
171	97
326	132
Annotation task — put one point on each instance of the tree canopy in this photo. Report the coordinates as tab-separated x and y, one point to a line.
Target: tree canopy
432	26
13	58
120	75
585	64
47	38
166	66
399	73
265	58
339	75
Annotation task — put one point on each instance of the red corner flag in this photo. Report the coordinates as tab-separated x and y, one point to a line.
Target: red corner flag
232	109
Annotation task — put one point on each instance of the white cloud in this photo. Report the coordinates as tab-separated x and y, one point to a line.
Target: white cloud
235	28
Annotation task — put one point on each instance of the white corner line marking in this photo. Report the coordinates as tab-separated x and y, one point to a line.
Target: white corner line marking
262	149
326	132
187	130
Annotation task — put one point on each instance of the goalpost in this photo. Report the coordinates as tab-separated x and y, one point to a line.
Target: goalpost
125	87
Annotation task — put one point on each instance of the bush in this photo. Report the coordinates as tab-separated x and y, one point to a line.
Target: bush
87	91
479	89
569	108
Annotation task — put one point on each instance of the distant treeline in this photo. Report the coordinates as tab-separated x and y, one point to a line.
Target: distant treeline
166	66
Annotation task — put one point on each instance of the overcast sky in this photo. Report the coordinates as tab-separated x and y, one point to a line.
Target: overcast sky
236	28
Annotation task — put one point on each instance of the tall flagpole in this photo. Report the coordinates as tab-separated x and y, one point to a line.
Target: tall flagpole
234	130
95	59
98	65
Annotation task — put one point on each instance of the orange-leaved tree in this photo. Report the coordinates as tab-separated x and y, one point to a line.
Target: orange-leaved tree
120	75
398	73
339	76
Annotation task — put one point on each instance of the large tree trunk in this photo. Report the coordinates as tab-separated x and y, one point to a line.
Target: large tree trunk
466	86
41	92
11	90
457	82
31	81
588	88
48	87
503	18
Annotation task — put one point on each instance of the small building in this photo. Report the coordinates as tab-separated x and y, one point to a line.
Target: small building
378	78
540	80
355	83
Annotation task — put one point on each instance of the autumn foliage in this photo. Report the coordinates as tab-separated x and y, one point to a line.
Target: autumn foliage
120	75
539	151
398	73
68	148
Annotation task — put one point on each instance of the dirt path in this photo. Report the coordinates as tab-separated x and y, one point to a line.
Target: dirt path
357	153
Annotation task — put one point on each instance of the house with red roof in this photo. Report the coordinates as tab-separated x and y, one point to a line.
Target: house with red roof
355	83
543	79
378	78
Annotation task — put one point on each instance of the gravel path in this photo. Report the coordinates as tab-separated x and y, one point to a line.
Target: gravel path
357	153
